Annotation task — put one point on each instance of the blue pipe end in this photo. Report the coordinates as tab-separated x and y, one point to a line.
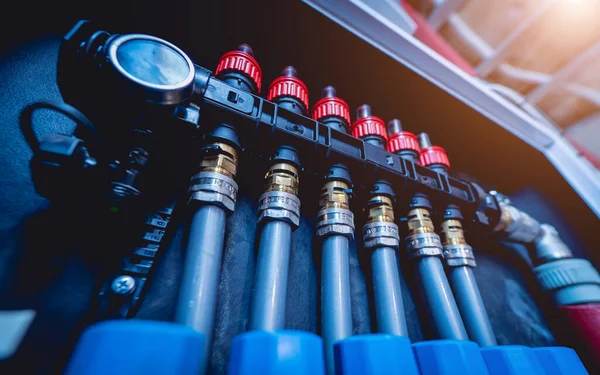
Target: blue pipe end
449	357
512	360
375	354
274	353
558	360
137	347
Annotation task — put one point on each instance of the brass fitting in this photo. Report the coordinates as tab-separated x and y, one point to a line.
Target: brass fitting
452	233
380	209
334	195
419	221
220	158
282	177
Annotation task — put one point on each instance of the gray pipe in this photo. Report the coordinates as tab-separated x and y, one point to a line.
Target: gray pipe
440	301
471	305
270	286
389	308
336	314
201	273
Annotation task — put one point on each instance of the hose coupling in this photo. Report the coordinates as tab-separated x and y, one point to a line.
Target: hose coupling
335	217
280	200
457	252
516	225
422	240
380	229
215	183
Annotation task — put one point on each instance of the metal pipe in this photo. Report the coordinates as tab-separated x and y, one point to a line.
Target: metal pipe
389	308
471	305
336	314
202	268
441	303
270	285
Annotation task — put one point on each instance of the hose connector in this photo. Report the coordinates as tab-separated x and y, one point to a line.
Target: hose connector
549	246
334	216
422	241
516	225
215	183
380	229
280	200
457	252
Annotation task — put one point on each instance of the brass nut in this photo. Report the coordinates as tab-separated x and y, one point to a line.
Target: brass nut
282	177
419	221
380	209
221	158
452	233
334	194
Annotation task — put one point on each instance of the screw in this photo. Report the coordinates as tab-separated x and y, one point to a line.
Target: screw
123	285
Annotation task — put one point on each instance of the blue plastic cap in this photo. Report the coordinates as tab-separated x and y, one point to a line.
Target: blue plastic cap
449	357
275	353
374	355
137	347
512	360
558	360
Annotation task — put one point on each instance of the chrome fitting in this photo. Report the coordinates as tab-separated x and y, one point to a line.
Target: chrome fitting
213	188
516	225
422	240
549	246
335	221
335	217
457	252
459	255
381	234
423	245
279	205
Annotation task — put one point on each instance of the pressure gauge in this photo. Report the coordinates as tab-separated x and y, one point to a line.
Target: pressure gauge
153	68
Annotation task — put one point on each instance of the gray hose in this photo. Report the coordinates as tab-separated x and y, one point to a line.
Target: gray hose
270	286
201	273
389	307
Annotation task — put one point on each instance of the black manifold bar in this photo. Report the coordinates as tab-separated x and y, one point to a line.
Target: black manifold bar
262	122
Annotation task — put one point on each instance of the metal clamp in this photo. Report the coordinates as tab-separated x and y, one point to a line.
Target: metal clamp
335	221
381	234
424	245
279	205
457	255
214	188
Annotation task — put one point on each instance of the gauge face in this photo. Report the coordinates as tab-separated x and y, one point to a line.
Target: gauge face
153	62
162	72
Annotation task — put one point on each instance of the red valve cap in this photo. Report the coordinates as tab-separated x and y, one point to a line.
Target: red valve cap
402	140
370	125
331	107
433	155
242	62
288	86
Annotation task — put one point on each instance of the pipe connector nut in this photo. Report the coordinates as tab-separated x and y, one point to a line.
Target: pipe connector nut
279	205
335	221
381	234
213	188
423	245
458	255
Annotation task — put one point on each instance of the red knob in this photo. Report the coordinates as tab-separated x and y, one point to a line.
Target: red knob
401	140
433	155
241	60
288	85
331	107
366	124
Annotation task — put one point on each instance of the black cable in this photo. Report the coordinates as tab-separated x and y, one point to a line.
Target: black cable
68	110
